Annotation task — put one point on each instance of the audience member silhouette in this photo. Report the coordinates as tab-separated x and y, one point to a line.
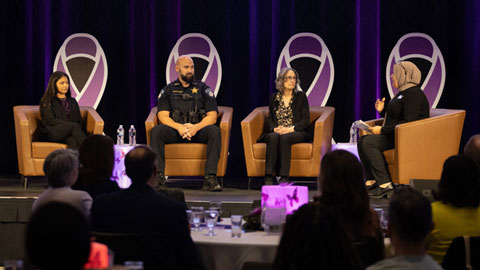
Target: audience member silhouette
338	230
57	237
160	222
456	211
472	149
96	156
409	222
61	170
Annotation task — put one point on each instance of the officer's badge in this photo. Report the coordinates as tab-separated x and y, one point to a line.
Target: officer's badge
194	90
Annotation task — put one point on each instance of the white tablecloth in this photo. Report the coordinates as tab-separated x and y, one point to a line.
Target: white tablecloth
224	252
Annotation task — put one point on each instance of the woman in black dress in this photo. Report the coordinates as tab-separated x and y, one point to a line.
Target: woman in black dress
60	113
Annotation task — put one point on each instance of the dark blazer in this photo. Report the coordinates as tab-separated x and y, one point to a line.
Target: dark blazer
139	209
54	115
408	105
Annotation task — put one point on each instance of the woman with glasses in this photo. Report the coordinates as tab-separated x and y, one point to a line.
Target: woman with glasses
288	119
409	104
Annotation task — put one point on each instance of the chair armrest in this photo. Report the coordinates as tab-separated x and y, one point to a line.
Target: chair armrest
372	123
422	146
22	131
94	123
252	128
152	120
322	135
225	128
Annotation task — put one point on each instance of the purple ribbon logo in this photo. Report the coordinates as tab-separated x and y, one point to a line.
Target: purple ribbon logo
308	54
422	50
200	48
83	59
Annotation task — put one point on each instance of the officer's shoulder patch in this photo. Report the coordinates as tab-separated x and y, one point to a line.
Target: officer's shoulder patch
161	93
208	91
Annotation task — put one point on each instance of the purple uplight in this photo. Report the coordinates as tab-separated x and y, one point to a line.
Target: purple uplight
48	40
379	72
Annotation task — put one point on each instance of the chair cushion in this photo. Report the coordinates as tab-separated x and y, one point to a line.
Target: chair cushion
42	149
389	156
186	151
299	151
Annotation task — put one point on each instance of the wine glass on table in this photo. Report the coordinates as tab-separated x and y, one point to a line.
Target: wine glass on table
211	217
197	216
216	205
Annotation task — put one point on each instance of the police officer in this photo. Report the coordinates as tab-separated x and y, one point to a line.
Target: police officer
187	112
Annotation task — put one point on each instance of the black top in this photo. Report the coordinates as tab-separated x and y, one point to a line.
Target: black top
95	185
139	209
54	114
300	110
197	96
408	105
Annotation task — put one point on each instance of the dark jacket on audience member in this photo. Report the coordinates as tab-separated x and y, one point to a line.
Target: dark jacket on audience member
139	209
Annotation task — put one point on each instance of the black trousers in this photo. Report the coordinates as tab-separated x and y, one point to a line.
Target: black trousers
370	150
161	135
279	151
69	133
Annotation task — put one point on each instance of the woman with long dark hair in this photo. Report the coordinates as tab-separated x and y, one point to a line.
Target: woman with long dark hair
96	156
456	211
341	212
60	113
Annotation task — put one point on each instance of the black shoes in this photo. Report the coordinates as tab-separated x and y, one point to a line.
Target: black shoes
269	180
161	183
211	184
283	180
379	192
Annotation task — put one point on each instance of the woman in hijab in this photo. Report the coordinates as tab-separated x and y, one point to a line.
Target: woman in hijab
409	104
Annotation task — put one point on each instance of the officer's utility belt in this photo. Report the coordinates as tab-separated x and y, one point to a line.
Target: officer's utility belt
191	117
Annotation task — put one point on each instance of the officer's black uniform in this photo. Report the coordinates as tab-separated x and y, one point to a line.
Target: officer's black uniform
187	105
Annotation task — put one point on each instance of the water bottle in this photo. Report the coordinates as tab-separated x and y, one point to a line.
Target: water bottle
120	134
132	136
353	133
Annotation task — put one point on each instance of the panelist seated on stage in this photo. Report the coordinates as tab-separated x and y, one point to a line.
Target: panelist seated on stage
187	112
61	119
160	222
96	156
408	105
287	123
61	170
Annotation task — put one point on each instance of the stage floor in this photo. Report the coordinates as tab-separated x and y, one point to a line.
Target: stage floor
236	197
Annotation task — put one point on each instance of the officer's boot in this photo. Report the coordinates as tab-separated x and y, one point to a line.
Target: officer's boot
161	183
210	183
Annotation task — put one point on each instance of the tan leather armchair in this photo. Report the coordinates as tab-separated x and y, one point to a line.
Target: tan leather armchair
306	157
188	159
421	147
31	154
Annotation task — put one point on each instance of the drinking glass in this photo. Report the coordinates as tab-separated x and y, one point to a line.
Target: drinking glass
197	216
190	218
216	205
211	217
236	226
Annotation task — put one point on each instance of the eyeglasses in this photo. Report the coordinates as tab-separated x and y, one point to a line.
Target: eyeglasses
290	78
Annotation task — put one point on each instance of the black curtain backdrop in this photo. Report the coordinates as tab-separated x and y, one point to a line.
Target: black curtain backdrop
137	37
